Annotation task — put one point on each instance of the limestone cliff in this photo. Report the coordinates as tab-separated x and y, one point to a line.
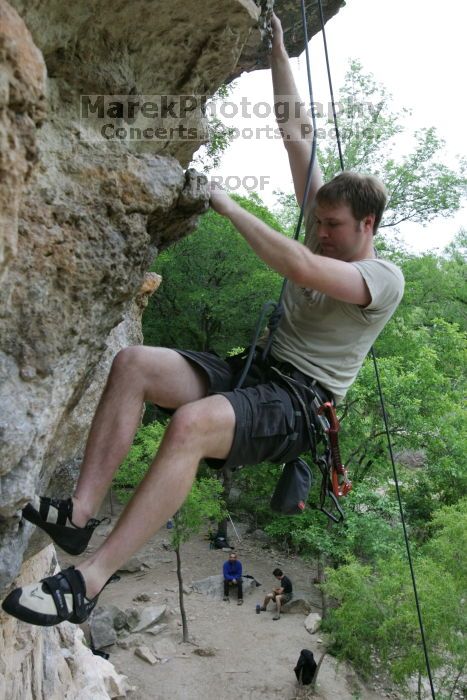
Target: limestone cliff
82	217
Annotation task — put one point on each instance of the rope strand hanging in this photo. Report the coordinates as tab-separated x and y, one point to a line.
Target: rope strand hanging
378	382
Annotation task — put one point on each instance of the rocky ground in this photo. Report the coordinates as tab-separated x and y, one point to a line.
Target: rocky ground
233	652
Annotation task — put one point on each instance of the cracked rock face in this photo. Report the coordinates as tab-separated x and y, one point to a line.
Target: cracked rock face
82	222
22	109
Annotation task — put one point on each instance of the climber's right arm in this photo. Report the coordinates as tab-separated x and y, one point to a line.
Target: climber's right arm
292	118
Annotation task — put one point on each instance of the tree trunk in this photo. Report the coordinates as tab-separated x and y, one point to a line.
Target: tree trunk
226	486
456	681
315	677
180	596
320	579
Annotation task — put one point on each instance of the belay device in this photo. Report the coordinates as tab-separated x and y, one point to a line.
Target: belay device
335	480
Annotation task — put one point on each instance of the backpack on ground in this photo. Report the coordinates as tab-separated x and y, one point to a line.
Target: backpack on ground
306	667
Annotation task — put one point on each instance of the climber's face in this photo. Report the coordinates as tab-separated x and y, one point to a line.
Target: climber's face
341	235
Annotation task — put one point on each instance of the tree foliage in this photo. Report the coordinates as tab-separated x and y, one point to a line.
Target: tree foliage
376	622
219	135
420	186
213	287
203	503
142	452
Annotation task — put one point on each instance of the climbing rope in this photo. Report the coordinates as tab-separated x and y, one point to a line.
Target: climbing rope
378	383
276	307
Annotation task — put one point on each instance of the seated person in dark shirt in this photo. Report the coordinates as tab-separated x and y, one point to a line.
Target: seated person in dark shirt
232	570
279	595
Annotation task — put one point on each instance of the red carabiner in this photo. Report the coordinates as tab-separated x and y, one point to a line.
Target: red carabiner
340	482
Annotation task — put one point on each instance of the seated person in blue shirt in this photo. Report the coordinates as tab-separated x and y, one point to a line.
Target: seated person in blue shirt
232	570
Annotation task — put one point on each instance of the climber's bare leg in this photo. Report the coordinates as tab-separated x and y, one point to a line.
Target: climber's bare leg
204	428
138	374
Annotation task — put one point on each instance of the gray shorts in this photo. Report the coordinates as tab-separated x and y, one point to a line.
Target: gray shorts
285	598
269	420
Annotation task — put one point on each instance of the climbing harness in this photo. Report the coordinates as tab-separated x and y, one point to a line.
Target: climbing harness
334	478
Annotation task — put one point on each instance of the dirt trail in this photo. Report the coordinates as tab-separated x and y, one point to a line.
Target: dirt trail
252	656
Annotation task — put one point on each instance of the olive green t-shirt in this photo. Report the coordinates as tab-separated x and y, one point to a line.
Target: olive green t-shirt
329	339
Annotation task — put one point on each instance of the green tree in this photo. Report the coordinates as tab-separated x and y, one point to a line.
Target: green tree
376	626
448	541
213	287
202	503
220	135
134	467
436	285
419	185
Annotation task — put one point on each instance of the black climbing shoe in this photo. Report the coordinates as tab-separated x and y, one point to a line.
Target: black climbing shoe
52	600
55	518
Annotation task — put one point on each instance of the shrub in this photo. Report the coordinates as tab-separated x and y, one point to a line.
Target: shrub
140	456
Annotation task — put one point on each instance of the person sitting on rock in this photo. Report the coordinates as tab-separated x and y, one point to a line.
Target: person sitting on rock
279	595
232	571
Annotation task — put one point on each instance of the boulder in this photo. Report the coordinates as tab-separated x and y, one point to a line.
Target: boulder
149	616
133	565
313	623
157	629
146	654
299	604
102	629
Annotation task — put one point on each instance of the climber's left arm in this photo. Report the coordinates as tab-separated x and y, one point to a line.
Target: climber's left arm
336	278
